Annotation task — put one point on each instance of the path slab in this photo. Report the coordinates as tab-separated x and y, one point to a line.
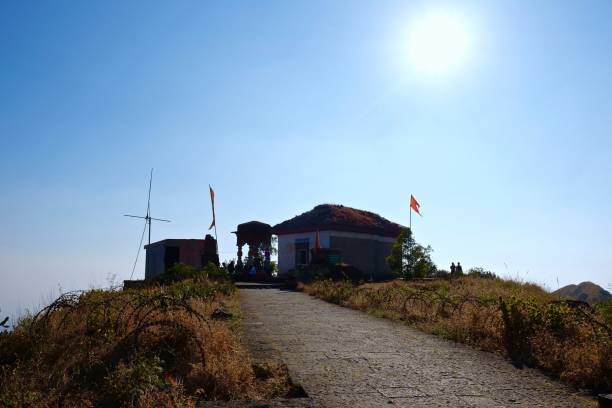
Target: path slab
347	358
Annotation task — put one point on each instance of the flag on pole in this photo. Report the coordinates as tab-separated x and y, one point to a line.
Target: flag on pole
414	204
212	202
317	242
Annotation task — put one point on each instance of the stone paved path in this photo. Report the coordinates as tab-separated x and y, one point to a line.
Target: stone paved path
347	358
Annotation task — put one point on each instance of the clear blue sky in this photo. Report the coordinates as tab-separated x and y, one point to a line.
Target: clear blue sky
284	105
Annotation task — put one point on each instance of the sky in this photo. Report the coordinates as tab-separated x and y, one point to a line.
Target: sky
281	106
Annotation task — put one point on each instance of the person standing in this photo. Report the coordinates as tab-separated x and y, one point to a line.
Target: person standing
459	269
453	269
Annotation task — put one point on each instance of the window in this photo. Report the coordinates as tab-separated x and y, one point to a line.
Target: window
302	247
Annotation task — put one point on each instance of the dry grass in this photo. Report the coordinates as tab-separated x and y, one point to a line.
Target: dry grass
515	319
147	347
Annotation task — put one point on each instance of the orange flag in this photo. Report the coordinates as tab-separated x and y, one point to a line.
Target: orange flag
212	201
414	204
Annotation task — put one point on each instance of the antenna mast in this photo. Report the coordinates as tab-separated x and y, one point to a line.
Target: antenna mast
147	219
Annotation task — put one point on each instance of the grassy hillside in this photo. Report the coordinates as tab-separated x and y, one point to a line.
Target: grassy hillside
518	320
155	346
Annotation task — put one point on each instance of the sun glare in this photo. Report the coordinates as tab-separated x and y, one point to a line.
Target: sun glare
438	43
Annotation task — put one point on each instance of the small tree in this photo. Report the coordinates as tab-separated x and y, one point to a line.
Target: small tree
410	259
423	265
400	251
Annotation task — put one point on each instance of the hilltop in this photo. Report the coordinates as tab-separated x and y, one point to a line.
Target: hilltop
585	291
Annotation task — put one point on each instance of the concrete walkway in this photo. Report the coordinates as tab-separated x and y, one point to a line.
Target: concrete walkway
347	358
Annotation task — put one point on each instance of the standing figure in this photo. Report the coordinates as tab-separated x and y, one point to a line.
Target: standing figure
453	269
459	269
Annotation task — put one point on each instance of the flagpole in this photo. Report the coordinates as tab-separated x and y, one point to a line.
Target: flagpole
411	219
410	228
216	240
212	203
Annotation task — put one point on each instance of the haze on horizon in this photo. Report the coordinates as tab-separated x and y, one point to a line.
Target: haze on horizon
502	135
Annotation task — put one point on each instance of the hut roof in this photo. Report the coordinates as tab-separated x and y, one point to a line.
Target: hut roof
338	218
253	232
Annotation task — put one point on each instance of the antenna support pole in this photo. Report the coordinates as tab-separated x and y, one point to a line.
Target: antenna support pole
148	220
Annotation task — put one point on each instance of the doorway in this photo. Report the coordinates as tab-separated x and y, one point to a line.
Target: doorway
171	257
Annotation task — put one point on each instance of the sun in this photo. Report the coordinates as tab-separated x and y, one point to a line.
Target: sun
438	42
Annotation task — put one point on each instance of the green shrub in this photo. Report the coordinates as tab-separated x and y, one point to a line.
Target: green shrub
212	271
130	381
481	273
605	309
180	272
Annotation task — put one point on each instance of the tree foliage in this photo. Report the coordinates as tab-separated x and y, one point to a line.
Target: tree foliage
410	259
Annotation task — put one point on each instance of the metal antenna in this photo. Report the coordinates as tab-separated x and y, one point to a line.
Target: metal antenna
147	219
149	203
138	252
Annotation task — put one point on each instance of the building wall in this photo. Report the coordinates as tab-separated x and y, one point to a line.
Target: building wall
286	247
190	253
154	265
367	252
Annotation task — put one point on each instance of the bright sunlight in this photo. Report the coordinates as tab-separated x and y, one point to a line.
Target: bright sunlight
438	42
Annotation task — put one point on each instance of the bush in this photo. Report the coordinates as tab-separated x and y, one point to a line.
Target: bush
180	272
605	309
481	273
130	381
329	272
441	274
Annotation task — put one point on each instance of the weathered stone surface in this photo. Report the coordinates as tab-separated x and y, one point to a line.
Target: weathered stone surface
284	403
346	358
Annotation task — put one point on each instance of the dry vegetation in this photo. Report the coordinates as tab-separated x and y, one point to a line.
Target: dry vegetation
155	346
519	320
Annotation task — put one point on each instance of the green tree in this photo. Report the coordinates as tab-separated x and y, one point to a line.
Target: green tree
410	259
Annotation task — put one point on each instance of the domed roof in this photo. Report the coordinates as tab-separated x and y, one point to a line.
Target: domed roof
338	218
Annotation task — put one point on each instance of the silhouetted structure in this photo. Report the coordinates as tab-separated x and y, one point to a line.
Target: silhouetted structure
210	251
258	236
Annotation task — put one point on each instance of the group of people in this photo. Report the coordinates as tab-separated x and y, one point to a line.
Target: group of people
254	269
456	270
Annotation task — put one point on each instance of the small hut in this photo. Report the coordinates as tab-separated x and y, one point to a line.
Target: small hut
162	255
